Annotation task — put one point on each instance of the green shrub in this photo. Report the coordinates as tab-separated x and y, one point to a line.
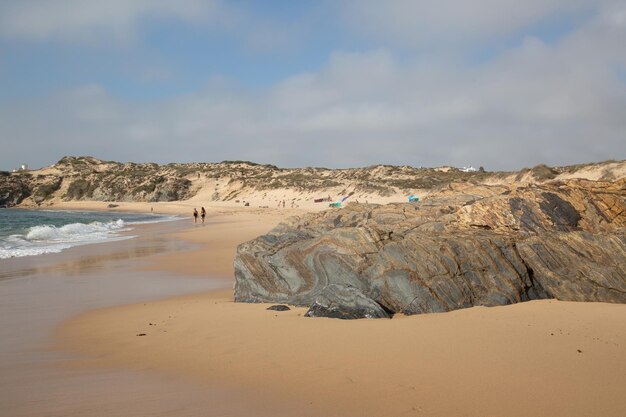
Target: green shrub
79	189
45	191
543	172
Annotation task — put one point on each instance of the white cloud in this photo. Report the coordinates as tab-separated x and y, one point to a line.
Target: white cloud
436	23
537	102
88	21
120	22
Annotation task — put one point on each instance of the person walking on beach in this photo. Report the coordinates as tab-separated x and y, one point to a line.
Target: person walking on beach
195	215
202	214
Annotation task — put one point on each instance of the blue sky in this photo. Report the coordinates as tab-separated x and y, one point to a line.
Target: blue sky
501	84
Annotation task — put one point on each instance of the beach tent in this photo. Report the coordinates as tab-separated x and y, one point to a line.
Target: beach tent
338	203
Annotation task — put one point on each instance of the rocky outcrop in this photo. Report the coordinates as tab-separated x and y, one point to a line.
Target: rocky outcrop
13	189
88	178
345	302
278	307
463	246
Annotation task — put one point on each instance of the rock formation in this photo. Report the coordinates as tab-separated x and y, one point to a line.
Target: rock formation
466	245
345	302
13	189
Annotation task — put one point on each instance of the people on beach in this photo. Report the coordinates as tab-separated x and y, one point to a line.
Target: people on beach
202	214
195	215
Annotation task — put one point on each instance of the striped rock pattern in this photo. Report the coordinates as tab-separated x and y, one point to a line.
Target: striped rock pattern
461	247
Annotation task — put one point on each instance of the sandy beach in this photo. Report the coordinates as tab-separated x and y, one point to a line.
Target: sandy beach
434	191
203	354
38	293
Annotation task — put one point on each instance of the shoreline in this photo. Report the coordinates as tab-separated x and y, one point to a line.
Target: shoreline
239	359
42	291
114	233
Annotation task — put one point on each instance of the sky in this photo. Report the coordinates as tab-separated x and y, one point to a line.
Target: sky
503	84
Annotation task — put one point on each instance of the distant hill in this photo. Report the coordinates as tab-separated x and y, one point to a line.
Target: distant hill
88	178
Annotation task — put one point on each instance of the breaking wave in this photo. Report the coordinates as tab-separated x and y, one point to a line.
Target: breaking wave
43	239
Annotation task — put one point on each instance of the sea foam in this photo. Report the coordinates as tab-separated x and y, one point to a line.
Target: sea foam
73	231
43	239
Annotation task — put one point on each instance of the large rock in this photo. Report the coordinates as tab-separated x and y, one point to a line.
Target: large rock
462	247
13	189
343	302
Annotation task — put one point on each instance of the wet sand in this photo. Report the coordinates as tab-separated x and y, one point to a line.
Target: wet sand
38	293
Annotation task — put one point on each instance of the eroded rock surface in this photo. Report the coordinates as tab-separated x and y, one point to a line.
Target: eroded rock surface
13	190
344	302
463	246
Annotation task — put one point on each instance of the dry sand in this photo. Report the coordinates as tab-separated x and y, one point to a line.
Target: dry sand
543	358
259	202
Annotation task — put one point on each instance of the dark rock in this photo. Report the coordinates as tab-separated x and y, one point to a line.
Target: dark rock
344	302
278	307
13	190
564	241
563	215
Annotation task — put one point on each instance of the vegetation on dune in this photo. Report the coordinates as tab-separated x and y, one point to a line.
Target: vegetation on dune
253	164
46	191
543	172
372	188
79	178
79	189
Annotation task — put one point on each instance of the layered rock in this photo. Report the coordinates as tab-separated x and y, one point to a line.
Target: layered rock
463	246
347	303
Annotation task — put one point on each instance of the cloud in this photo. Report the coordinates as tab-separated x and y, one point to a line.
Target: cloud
456	22
560	102
94	21
121	22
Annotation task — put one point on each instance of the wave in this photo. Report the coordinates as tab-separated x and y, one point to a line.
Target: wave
72	231
43	239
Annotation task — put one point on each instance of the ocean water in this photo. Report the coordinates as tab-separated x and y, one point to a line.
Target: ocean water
36	232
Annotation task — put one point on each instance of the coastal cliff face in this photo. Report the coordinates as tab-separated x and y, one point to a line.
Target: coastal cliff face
13	189
87	178
465	245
